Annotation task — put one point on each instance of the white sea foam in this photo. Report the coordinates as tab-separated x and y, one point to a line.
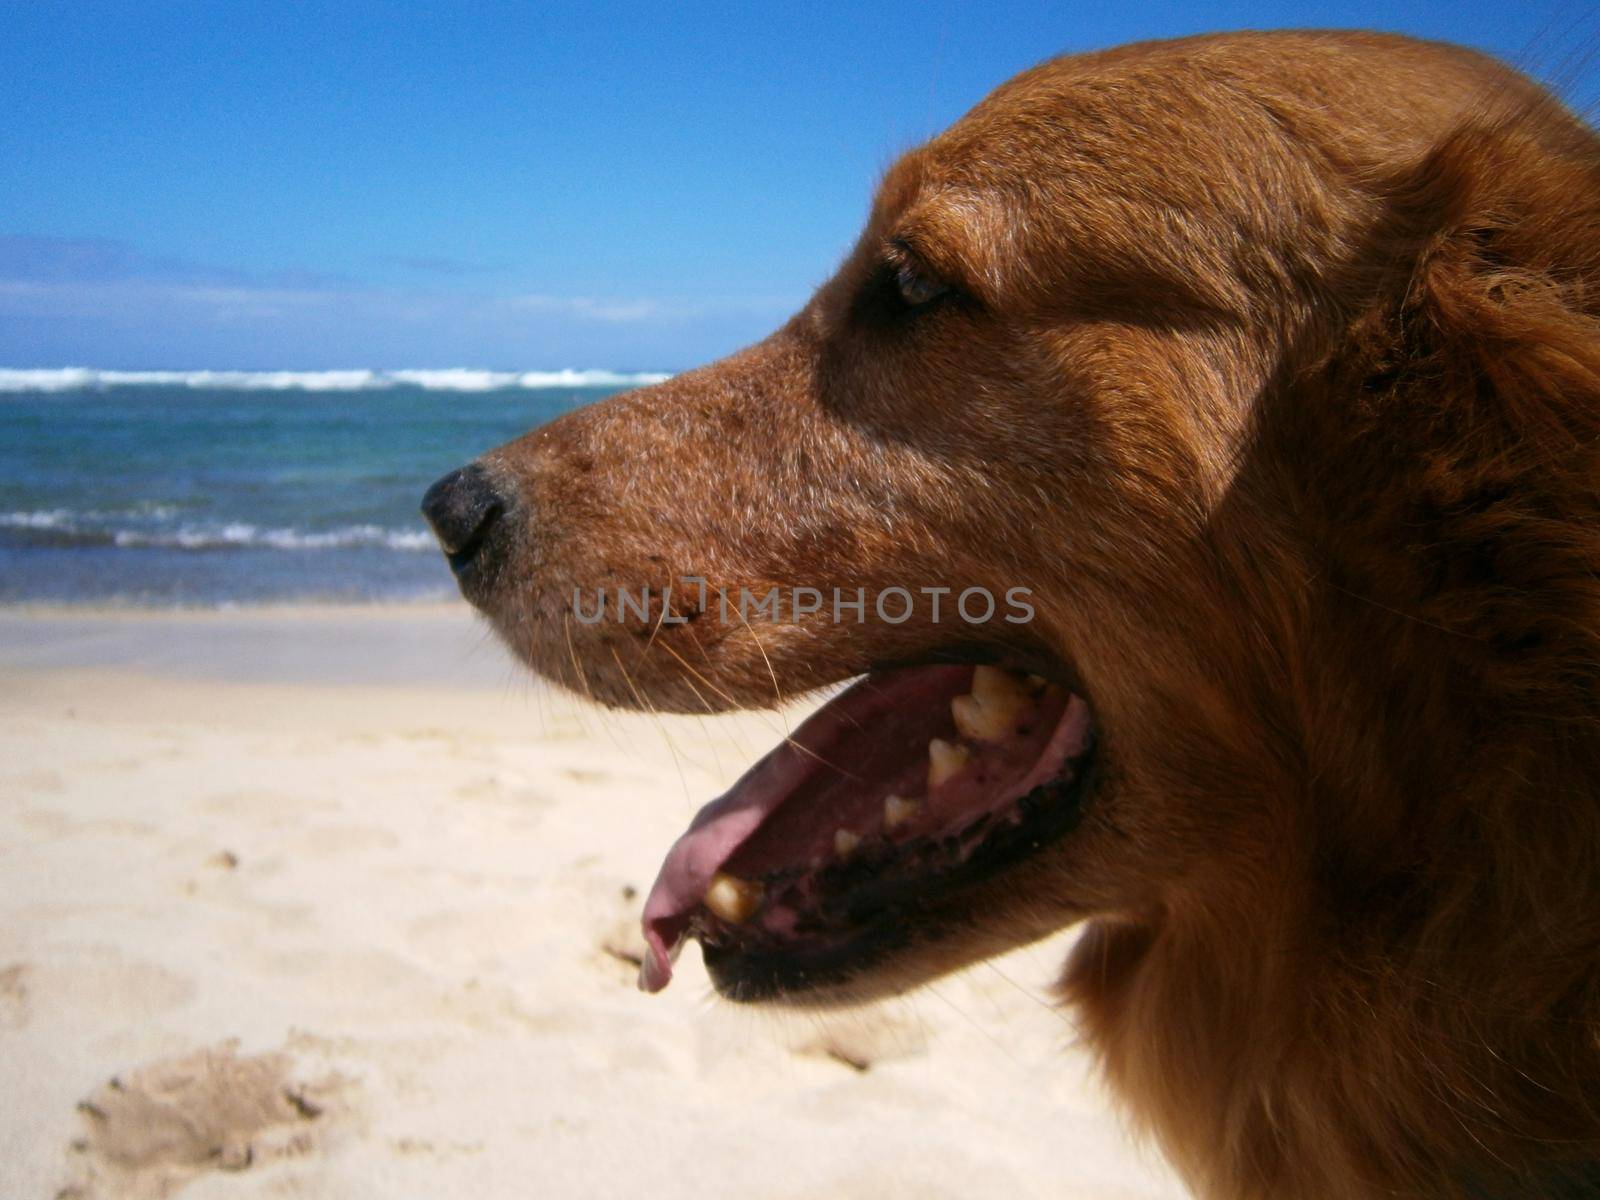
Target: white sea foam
100	528
243	535
454	379
590	378
54	518
66	518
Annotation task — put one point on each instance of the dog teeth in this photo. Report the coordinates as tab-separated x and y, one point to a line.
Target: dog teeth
733	899
991	683
897	810
845	842
983	721
990	713
945	759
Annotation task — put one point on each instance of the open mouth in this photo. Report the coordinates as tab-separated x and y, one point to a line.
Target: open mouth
837	847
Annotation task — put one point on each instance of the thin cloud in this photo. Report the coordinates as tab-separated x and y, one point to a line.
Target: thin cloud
113	298
68	300
89	260
82	276
598	310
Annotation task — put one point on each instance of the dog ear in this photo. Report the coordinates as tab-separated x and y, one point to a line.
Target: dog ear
1490	313
1456	415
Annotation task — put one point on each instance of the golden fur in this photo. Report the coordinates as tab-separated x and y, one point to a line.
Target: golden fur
1273	369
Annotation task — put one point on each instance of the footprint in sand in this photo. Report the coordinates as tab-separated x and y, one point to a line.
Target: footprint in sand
149	1132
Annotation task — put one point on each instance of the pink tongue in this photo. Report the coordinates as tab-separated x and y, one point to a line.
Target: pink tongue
866	742
722	826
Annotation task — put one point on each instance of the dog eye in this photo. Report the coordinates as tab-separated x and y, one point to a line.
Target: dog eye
916	286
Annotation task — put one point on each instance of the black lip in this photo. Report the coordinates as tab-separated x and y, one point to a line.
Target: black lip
889	915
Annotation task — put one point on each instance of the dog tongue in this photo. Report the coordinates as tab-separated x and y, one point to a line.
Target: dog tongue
869	742
796	764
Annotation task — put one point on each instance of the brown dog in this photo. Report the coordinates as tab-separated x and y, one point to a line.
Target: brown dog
1255	382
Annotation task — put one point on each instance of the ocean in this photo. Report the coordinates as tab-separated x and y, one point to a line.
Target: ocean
179	489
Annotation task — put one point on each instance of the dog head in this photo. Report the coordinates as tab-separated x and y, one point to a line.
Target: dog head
1119	351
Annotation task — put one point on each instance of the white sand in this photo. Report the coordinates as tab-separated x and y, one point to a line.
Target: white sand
342	903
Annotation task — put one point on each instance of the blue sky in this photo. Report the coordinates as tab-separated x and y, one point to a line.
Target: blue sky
239	185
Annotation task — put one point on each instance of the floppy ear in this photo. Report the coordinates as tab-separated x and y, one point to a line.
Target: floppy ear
1445	459
1501	309
1467	392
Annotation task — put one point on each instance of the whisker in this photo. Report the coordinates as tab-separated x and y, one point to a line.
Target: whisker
645	704
1052	1009
711	741
777	692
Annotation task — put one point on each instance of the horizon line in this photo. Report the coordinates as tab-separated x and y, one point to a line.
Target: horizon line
353	379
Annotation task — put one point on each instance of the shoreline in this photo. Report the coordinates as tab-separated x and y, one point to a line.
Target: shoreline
422	645
47	608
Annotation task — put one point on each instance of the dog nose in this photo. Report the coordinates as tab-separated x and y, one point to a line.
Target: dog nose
463	509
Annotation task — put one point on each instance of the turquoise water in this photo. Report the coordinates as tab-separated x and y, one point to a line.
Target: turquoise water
186	494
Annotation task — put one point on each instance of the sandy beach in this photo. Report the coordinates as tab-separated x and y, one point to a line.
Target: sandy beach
338	903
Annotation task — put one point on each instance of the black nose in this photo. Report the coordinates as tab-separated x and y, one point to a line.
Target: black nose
463	509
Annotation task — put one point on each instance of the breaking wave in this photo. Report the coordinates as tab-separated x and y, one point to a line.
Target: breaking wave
453	379
66	529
